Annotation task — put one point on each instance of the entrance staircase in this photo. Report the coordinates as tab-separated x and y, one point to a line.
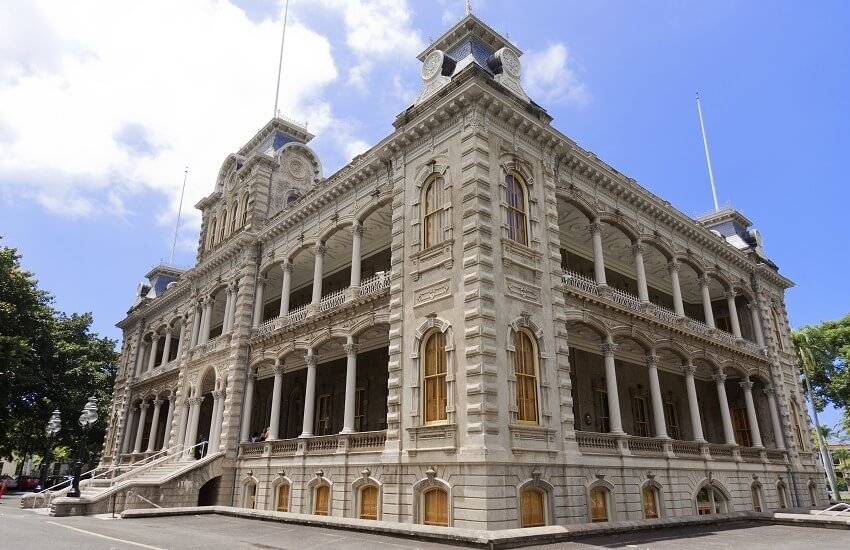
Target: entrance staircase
171	477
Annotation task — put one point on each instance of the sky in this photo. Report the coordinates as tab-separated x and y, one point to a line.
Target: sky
104	105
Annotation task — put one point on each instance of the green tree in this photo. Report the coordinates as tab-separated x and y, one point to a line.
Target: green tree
824	350
48	360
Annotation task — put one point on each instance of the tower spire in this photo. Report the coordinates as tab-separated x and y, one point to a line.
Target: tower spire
280	60
707	156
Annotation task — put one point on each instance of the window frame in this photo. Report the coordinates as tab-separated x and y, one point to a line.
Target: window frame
425	496
441	377
516	181
525	380
280	486
606	504
249	500
361	500
603	414
433	237
741	427
321	487
324	403
641	427
543	495
361	402
671	420
756	497
656	500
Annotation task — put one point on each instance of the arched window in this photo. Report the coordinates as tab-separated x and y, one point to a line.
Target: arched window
250	500
798	433
292	197
533	508
710	501
649	496
599	504
244	211
213	226
813	496
755	492
223	233
517	216
435	378
433	221
233	218
322	501
282	497
435	507
781	494
526	378
775	318
369	502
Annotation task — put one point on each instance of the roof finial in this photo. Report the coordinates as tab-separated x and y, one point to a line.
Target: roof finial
468	7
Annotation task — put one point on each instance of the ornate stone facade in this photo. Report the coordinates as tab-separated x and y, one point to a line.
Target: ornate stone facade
475	323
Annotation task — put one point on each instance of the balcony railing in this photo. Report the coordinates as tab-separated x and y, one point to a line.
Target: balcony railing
376	283
332	300
296	315
358	442
612	444
588	286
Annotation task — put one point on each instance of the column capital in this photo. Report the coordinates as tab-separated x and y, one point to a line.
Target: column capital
704	280
357	228
768	390
277	369
155	336
673	265
252	376
730	294
651	360
720	378
638	247
144	405
689	369
217	394
752	306
262	280
311	359
746	385
595	227
351	349
156	402
196	400
286	265
608	348
319	250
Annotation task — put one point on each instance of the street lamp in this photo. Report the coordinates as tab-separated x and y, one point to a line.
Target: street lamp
87	420
52	428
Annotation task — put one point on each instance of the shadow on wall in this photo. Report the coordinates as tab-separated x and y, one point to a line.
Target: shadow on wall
208	492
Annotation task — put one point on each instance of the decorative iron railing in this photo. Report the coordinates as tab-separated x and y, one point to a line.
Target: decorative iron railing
332	300
379	281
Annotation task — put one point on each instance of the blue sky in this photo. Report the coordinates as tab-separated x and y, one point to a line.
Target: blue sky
103	105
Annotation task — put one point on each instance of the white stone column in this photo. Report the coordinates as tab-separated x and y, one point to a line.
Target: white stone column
655	393
234	288
277	391
184	421
215	421
157	405
693	405
726	417
350	385
754	314
196	326
154	346
206	320
356	246
192	432
259	301
140	429
140	356
318	270
774	417
733	314
247	408
755	433
310	395
286	287
643	291
615	420
595	228
166	347
678	306
228	304
706	301
132	413
169	419
180	338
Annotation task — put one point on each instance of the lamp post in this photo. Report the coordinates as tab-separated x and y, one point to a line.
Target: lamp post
52	428
87	420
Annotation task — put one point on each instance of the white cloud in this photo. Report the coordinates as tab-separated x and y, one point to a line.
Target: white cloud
102	103
548	76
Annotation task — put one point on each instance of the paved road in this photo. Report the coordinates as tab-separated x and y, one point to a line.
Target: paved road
21	529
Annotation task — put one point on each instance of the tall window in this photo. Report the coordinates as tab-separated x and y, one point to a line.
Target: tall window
533	508
434	205
649	495
244	211
639	413
517	218
282	498
233	218
213	226
435	507
798	433
756	494
598	504
322	505
323	415
774	315
369	502
783	498
223	233
672	419
526	378
250	495
742	427
813	499
710	501
360	410
604	421
435	378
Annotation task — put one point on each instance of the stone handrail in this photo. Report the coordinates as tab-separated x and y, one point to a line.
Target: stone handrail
317	445
379	281
718	450
597	441
322	443
646	445
776	455
367	440
211	345
253	449
692	448
750	454
284	446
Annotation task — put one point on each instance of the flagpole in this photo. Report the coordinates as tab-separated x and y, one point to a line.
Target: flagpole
179	210
280	59
707	156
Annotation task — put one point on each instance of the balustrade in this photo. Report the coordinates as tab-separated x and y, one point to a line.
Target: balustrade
332	300
357	442
376	283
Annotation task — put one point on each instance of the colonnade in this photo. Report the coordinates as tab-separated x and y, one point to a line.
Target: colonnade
319	251
132	442
154	353
312	360
673	266
608	348
203	313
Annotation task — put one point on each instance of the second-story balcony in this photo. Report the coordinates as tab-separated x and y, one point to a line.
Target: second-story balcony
346	444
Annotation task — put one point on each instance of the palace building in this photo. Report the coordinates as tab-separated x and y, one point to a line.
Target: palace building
476	323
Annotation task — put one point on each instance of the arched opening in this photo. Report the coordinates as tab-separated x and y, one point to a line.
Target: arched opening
576	247
434	377
249	496
368	502
244	219
517	208
206	413
755	494
223	234
207	495
599	504
322	500
281	497
434	204
798	432
813	495
533	508
216	323
435	507
525	370
212	234
689	283
710	500
782	495
651	501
